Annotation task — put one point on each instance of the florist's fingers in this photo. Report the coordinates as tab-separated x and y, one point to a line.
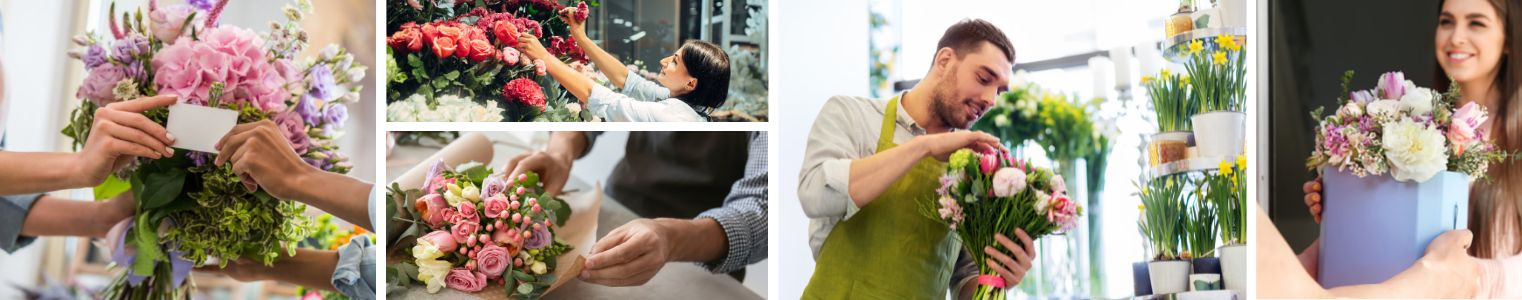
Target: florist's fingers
621	253
140	105
138	122
240	128
1309	188
242	167
1021	257
994	254
629	269
512	163
1030	244
1312	199
613	239
124	133
234	142
123	145
1008	275
633	280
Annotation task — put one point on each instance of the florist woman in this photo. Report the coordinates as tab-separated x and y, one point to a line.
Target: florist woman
1474	46
693	81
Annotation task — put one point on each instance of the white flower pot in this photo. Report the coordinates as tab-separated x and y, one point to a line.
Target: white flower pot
1233	12
1168	147
1204	282
1234	266
1168	276
1220	133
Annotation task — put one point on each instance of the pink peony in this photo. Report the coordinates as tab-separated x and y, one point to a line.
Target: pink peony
431	208
166	22
463	230
464	280
1008	182
494	206
492	260
99	84
442	239
295	131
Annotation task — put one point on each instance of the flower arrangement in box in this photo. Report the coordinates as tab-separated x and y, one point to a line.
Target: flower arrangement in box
188	209
983	194
465	48
471	227
1411	132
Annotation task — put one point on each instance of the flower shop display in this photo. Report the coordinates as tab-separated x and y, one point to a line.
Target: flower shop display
466	49
1225	191
472	228
983	194
1218	84
446	108
1164	214
188	209
1431	149
1171	103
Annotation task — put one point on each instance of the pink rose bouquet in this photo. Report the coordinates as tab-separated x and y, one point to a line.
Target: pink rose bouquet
189	210
983	194
480	228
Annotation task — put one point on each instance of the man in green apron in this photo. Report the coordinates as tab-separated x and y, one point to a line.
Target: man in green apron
870	162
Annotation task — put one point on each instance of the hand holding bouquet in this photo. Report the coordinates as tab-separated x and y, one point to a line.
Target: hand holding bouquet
471	227
983	194
1410	131
188	209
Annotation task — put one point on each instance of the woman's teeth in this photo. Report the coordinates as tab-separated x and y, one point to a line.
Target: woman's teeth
1460	55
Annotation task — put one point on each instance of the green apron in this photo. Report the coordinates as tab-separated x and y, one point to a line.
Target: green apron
888	250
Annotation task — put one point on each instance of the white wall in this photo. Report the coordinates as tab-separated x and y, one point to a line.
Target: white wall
824	54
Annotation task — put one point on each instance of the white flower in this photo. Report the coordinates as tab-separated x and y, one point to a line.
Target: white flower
1417	101
1042	201
575	108
1384	110
351	98
430	269
451	108
1416	152
328	52
1008	182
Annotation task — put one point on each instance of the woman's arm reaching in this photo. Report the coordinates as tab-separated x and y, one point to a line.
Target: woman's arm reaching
579	86
605	62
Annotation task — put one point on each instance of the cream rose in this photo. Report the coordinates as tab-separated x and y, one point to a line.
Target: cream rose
1384	110
1417	101
1416	152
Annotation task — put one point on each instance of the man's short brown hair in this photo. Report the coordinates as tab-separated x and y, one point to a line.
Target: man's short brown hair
968	34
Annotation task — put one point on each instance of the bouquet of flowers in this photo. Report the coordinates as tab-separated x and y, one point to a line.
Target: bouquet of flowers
189	210
983	194
465	48
470	227
1409	131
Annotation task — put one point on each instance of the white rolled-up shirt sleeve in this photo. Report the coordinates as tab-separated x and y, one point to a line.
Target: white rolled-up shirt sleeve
839	136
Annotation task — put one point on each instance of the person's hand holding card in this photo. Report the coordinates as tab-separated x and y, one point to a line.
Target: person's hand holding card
260	152
121	133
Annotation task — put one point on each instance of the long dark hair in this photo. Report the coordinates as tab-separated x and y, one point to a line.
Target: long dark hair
1502	190
710	66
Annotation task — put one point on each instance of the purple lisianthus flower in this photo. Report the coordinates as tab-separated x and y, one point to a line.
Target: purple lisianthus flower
321	163
126	48
95	55
294	130
307	108
322	83
336	115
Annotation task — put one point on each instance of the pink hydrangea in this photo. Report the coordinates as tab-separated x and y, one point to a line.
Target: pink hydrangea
229	55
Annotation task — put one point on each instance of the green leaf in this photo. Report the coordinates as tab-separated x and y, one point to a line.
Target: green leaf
155	188
548	278
525	288
112	187
410	232
451	76
414	61
400	276
147	242
520	276
476	171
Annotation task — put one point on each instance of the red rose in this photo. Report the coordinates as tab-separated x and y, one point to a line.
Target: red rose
464	280
492	260
524	91
581	12
408	39
507	33
430	31
443	46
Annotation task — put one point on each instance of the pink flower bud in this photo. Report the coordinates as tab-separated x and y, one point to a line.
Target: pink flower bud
522	177
536	208
464	251
470	240
520	191
513	198
547	222
489	227
537	227
518	262
532	201
470	265
499	223
528	234
472	254
514	205
517	218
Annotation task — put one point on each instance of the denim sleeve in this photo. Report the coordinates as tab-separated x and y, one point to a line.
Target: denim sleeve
355	275
13	211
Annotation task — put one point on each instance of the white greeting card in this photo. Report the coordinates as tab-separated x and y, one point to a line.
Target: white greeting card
199	128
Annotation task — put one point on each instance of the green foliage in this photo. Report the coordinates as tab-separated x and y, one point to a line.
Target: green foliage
1163	212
